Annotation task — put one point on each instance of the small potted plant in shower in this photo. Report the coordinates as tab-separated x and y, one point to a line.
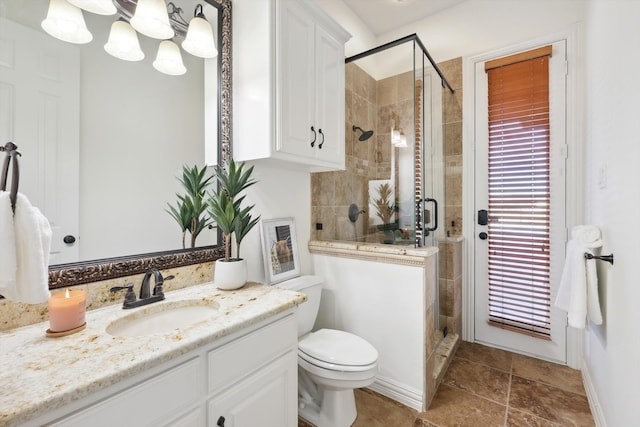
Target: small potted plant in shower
189	211
386	211
225	208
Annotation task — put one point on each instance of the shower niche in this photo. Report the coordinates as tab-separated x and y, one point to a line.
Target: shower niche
394	167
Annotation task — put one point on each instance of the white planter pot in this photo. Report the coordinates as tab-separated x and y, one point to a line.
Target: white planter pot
230	275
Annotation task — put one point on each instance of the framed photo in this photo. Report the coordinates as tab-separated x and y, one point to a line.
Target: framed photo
279	249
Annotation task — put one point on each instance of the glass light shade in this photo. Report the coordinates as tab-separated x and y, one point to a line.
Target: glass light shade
152	19
123	42
199	41
100	7
65	22
395	137
403	141
169	59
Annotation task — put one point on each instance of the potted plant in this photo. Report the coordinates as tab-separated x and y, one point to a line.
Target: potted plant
190	208
225	208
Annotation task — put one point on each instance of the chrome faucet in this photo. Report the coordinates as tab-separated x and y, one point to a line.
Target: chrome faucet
146	297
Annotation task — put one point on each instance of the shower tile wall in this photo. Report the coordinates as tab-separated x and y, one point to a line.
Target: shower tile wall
452	132
450	260
369	105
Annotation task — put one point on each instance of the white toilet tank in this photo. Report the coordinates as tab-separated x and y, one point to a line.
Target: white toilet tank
311	286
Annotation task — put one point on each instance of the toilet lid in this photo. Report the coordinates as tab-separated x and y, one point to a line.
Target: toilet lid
338	347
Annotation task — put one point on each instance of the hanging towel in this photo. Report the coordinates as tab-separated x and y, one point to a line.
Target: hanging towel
32	245
7	246
578	292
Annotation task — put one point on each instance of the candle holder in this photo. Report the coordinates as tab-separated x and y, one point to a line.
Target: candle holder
67	313
52	334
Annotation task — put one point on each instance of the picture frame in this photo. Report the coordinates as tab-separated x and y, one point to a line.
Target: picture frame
279	249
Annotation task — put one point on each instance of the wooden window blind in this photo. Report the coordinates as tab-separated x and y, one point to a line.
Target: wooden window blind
519	193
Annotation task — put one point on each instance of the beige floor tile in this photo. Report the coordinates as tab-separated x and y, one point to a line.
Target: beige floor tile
548	373
454	407
375	410
517	418
478	379
551	403
489	356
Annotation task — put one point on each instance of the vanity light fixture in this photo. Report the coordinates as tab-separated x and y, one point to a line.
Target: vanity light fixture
123	42
199	40
65	22
152	19
99	7
169	59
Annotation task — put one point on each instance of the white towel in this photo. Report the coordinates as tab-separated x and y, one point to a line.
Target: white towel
578	292
7	246
32	245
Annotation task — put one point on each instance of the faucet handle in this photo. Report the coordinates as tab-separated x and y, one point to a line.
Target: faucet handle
158	288
130	296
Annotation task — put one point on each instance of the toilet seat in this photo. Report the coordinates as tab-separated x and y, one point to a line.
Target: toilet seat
338	351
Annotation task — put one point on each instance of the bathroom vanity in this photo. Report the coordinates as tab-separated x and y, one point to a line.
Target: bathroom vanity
236	368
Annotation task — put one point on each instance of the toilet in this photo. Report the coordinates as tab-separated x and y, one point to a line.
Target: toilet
331	363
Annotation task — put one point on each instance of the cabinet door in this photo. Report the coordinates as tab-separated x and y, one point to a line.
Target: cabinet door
267	398
296	103
330	97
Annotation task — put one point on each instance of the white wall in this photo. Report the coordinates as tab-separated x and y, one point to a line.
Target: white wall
279	193
612	350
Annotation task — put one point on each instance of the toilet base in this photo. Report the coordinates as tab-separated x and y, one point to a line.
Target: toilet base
324	405
338	409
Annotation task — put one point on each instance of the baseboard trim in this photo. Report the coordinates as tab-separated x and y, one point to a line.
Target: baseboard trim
592	397
399	392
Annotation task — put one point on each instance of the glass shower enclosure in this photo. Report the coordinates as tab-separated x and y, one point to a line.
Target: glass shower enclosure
394	175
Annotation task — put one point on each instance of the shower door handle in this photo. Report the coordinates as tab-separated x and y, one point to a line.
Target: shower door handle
435	214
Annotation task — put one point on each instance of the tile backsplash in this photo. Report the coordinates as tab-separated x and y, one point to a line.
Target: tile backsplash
14	315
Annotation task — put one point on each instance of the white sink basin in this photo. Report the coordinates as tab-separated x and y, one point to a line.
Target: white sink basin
164	318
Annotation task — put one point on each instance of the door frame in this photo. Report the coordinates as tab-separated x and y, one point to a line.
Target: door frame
574	165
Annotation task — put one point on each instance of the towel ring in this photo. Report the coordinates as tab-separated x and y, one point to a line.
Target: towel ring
607	258
11	149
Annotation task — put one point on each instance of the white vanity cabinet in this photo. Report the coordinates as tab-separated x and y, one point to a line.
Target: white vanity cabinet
289	71
246	379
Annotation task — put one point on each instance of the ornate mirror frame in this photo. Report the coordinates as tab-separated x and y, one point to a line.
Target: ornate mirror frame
77	273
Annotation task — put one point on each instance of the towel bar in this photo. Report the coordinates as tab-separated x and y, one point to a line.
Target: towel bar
607	258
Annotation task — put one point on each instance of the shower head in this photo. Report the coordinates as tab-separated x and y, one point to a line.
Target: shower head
366	134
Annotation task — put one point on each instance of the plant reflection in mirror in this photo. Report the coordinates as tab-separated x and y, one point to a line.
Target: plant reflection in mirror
190	209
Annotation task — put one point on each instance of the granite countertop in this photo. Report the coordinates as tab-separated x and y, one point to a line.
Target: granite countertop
40	374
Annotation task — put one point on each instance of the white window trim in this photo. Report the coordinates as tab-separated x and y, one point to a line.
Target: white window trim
574	166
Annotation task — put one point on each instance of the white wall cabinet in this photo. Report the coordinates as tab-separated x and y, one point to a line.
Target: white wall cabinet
244	380
288	84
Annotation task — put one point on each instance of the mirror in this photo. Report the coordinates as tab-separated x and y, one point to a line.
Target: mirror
137	128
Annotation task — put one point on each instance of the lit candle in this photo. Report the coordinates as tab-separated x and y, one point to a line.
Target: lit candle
67	310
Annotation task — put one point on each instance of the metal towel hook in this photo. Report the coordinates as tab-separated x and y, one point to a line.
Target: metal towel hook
11	149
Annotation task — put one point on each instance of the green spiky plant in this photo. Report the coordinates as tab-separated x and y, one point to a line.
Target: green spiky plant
225	206
190	209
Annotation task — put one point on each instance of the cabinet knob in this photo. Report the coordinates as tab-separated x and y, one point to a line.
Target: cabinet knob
314	137
321	142
69	239
220	422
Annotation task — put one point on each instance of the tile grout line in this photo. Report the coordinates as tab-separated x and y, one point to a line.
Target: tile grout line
506	414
